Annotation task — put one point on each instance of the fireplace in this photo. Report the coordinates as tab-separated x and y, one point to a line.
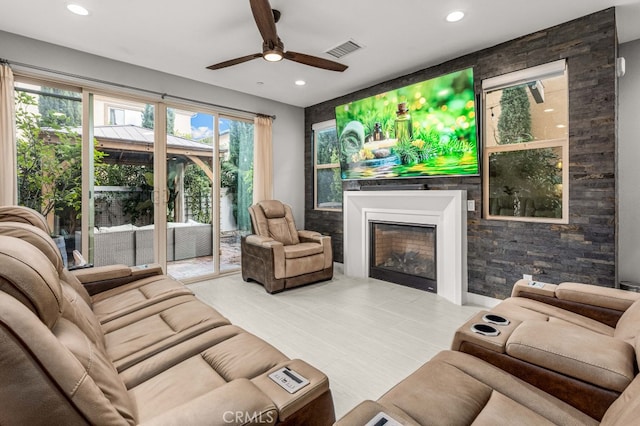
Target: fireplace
403	253
445	209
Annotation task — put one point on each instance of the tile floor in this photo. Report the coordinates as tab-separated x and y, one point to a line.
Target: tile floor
364	334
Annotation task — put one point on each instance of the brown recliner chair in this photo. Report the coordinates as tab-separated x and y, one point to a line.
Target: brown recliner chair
280	257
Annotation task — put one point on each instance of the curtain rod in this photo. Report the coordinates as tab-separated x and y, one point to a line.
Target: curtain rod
124	86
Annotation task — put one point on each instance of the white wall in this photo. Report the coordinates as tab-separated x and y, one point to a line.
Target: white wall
629	165
288	128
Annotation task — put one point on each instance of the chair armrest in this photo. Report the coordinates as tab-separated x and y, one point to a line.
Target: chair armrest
262	241
582	354
313	237
309	235
238	402
268	249
606	297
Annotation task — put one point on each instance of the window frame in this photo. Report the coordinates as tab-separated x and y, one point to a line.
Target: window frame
315	129
517	78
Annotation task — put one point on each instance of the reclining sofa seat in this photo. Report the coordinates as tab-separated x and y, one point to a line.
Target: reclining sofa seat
574	341
106	305
53	373
278	255
457	389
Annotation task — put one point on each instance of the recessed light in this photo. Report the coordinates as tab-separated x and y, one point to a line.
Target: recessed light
300	82
77	9
455	16
561	126
549	110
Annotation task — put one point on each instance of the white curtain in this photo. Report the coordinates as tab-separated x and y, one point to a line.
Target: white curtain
8	172
262	159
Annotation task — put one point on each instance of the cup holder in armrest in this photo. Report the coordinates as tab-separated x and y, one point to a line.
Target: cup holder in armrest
485	329
495	319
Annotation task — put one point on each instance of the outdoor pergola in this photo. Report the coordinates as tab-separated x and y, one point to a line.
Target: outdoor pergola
128	144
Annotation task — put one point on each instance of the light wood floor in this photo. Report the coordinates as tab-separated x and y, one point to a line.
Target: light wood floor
365	335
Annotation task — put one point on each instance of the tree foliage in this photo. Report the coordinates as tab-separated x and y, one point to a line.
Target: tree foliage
148	120
237	171
49	156
514	124
527	173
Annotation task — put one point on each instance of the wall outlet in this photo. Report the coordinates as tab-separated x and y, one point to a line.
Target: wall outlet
471	205
527	277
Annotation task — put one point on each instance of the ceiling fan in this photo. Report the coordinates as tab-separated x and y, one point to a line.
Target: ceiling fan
272	46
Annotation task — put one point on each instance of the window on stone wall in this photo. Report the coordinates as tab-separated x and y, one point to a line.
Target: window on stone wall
326	167
526	145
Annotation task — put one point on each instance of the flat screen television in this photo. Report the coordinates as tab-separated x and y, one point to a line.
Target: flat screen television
422	130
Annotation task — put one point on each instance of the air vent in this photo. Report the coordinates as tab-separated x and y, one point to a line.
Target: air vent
344	49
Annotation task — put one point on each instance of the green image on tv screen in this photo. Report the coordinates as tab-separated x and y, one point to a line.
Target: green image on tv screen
425	129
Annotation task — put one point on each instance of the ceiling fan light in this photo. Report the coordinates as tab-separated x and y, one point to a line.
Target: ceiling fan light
272	55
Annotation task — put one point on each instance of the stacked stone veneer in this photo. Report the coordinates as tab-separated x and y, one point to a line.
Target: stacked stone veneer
500	252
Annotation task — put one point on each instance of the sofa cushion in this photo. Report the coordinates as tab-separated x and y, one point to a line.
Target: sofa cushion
43	382
524	309
130	297
629	324
303	265
24	215
457	388
274	219
272	209
27	275
147	331
594	358
99	368
302	250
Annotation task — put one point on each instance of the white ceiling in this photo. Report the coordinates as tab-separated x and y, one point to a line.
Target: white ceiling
399	36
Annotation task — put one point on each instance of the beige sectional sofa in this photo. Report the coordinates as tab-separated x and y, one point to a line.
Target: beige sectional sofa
567	355
142	349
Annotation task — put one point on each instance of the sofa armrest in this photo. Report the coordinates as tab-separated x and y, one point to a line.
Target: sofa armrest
103	278
582	354
364	412
238	402
101	273
523	287
612	298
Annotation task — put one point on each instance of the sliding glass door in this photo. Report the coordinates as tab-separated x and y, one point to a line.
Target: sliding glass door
236	187
122	230
191	203
126	181
49	166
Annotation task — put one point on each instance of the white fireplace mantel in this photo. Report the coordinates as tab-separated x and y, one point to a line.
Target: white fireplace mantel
445	209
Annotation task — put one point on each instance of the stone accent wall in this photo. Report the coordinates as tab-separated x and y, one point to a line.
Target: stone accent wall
499	252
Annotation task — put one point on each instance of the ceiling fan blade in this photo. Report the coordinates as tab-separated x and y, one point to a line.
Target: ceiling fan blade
235	61
265	21
314	61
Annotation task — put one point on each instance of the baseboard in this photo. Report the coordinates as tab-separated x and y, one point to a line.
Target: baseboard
480	300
